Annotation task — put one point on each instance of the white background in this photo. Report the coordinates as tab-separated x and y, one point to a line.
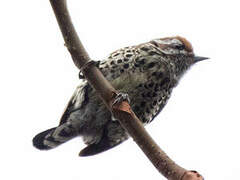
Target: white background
199	128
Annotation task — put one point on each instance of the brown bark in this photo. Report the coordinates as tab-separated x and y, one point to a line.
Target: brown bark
107	93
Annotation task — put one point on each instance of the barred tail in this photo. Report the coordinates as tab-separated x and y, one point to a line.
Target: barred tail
53	137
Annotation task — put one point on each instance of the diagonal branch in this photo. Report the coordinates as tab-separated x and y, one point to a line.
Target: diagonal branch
107	93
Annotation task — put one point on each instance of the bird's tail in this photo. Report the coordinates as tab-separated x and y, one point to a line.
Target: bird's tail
53	137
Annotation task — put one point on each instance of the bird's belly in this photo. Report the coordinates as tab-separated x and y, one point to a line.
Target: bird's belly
146	97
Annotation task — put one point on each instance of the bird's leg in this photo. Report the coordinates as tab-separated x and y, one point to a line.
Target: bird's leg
96	63
118	99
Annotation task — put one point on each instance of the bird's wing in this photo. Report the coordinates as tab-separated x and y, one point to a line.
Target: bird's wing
115	68
77	101
118	63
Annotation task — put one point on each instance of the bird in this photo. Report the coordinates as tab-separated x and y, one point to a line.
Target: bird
147	73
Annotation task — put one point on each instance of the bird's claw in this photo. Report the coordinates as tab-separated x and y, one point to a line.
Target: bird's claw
120	98
96	63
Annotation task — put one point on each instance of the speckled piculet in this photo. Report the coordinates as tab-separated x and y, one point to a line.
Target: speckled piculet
147	73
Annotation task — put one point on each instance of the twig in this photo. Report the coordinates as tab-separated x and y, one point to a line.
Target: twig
107	93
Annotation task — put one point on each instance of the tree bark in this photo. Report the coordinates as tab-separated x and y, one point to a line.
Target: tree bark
107	93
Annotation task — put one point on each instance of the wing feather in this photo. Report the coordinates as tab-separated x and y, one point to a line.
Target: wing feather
77	101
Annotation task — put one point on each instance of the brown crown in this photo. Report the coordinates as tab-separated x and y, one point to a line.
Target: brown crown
186	43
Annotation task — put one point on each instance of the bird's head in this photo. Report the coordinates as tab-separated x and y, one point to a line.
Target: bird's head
179	51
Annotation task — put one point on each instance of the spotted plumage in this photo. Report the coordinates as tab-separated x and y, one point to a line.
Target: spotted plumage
147	73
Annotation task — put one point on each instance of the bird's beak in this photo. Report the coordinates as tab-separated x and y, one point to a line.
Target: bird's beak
199	58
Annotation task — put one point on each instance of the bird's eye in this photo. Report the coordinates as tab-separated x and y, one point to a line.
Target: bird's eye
179	46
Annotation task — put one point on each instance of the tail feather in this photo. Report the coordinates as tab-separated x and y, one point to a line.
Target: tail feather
53	137
38	140
113	135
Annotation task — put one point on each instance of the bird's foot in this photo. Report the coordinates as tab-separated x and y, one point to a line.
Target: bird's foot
120	98
96	63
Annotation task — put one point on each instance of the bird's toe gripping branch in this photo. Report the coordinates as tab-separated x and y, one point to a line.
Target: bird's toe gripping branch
120	98
121	103
96	63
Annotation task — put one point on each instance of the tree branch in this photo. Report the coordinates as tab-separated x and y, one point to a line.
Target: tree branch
107	93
